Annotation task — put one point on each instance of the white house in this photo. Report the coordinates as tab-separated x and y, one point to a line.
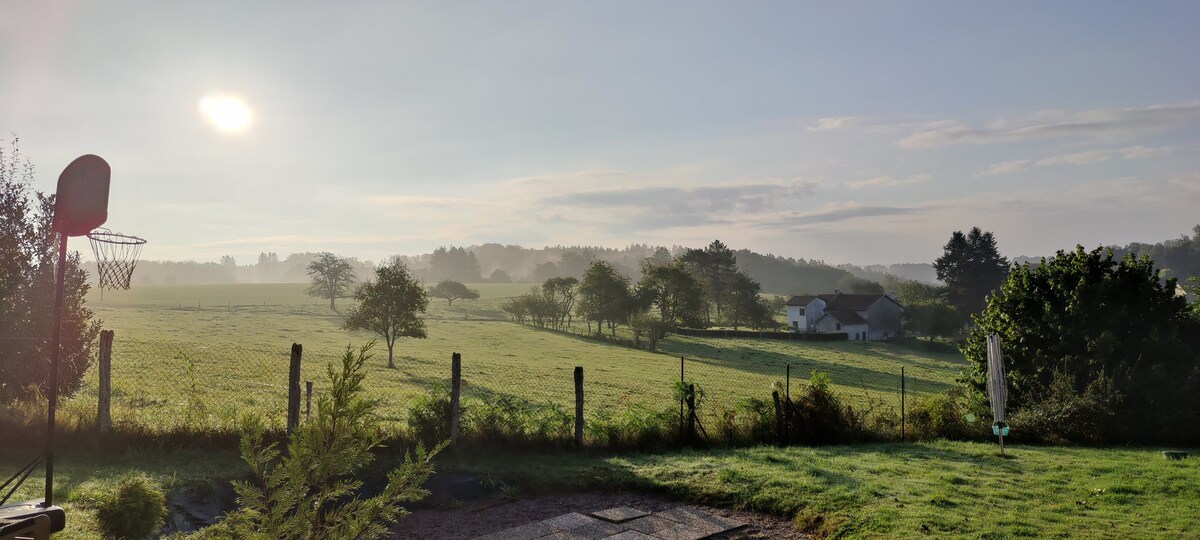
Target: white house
862	317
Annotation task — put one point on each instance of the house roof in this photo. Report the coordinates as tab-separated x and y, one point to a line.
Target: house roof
839	301
845	317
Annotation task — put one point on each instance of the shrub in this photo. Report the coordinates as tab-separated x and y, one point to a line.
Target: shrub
1059	414
513	420
946	415
134	511
312	491
818	416
634	427
429	416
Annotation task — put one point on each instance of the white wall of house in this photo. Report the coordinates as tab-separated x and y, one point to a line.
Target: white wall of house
830	325
797	322
804	318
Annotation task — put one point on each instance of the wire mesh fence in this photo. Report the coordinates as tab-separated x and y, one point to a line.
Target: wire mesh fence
180	385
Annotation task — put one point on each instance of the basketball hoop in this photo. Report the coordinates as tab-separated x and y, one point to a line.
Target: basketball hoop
116	257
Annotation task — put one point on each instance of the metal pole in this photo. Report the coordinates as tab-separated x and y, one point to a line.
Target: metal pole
54	353
787	407
681	380
902	399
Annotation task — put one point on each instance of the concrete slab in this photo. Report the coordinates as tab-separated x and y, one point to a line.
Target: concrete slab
620	514
524	532
650	524
629	535
569	521
680	531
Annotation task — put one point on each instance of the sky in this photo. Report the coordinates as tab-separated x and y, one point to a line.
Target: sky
861	132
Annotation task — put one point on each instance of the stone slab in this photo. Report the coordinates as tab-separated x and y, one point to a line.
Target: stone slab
569	521
650	524
679	531
629	535
620	514
524	532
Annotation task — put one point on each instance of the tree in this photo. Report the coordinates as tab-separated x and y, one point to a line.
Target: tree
453	290
28	255
675	292
714	265
391	307
312	491
746	305
932	318
456	264
1087	317
650	327
604	297
332	277
561	292
499	276
971	267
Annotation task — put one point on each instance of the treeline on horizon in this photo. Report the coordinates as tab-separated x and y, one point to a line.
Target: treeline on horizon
1178	257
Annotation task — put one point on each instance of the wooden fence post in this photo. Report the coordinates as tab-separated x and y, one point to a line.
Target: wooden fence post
293	410
787	407
104	405
578	405
307	399
902	400
681	399
455	395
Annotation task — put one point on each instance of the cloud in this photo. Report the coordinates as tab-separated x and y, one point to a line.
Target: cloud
1079	158
750	197
833	123
835	213
414	200
1092	123
887	181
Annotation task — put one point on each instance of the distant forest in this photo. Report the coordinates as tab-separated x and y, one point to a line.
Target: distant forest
1178	258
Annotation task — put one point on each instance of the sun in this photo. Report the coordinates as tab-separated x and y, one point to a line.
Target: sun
225	112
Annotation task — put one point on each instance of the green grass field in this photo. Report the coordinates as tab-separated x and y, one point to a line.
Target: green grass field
203	355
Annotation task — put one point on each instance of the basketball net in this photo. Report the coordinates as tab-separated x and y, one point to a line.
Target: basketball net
116	256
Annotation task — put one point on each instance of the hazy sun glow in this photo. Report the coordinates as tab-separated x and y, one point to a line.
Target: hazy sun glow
227	113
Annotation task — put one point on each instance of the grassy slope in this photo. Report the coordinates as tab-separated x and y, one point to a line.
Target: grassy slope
205	353
936	490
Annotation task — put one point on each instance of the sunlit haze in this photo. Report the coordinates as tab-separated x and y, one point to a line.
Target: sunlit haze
847	132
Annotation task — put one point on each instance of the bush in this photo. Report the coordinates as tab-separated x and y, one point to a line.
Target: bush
1059	414
134	511
429	416
513	420
818	416
945	416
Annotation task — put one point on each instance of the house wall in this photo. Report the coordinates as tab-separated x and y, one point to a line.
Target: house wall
814	311
806	322
796	321
885	320
829	324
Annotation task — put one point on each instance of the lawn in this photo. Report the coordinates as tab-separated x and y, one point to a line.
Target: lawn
203	355
932	490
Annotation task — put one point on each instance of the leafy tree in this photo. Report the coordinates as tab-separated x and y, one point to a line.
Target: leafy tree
971	267
645	325
746	305
311	491
561	293
674	291
931	318
714	265
499	276
1086	316
391	306
453	290
28	255
332	277
456	264
605	297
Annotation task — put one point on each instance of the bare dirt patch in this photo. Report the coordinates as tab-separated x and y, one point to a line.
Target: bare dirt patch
485	516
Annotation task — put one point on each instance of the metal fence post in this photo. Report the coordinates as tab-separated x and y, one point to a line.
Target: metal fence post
455	395
903	396
681	398
578	405
308	385
787	407
293	410
104	404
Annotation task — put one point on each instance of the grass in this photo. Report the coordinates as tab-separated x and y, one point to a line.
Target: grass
933	490
202	355
79	474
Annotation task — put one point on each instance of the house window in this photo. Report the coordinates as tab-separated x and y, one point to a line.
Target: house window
801	312
839	327
796	324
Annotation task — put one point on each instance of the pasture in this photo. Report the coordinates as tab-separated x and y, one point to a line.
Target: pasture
201	355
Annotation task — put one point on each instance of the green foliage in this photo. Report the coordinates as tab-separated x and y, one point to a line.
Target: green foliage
745	305
947	415
818	416
499	276
516	421
650	327
971	267
390	307
133	511
311	491
932	318
332	277
456	264
605	297
1061	414
674	292
28	255
450	291
429	416
1081	315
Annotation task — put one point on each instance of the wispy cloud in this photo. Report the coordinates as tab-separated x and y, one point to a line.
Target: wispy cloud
833	123
1092	123
1079	158
888	181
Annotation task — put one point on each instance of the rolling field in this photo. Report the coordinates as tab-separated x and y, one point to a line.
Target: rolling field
203	355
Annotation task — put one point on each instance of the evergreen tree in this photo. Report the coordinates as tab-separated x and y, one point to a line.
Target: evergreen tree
971	267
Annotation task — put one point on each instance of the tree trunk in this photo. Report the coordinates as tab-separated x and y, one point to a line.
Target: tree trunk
391	364
331	303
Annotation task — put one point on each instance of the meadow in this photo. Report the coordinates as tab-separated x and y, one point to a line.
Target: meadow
202	355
